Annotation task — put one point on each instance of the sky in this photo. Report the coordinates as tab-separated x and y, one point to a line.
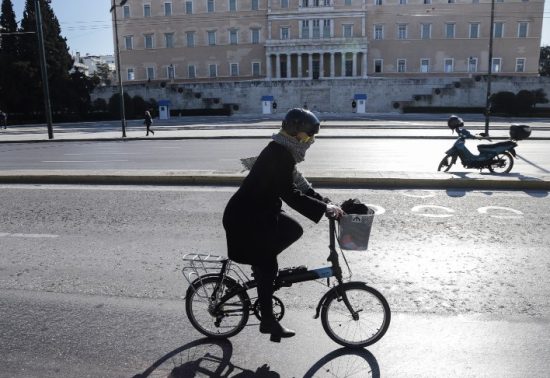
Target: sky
88	28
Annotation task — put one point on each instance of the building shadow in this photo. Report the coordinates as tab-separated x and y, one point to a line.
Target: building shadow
204	358
345	362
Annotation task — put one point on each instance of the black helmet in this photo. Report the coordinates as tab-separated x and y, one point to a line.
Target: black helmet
297	120
454	122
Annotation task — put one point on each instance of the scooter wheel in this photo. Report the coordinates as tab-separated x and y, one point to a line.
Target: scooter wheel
502	163
445	164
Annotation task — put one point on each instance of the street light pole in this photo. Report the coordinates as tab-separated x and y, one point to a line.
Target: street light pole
43	68
120	88
490	70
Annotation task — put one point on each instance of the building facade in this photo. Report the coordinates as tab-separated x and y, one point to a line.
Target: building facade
235	40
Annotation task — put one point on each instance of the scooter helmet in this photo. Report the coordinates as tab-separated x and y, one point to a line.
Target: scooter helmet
298	119
454	122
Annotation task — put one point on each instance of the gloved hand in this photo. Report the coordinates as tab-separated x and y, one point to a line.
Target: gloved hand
333	211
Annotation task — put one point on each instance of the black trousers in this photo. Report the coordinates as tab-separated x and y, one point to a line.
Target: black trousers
265	272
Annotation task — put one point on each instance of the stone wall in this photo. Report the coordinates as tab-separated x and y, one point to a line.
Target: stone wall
384	94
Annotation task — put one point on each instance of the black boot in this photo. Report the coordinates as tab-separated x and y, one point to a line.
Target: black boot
276	330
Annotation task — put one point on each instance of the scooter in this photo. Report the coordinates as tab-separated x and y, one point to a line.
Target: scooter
496	157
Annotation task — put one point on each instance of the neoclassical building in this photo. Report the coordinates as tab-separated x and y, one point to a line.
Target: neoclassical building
237	40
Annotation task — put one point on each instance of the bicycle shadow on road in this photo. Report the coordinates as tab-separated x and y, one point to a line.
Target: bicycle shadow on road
345	362
205	358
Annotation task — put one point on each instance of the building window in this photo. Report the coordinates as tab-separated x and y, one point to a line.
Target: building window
472	64
150	73
255	36
402	2
449	30
285	33
234	69
450	1
126	11
401	65
427	1
149	41
402	31
256	69
169	40
348	67
326	28
129	42
316	29
167	9
305	29
377	2
497	65
347	31
170	72
131	75
347	2
210	6
191	71
425	31
378	32
448	65
232	5
498	31
147	10
305	3
424	65
211	38
378	64
284	3
188	7
213	70
523	28
233	37
474	30
255	5
520	65
190	36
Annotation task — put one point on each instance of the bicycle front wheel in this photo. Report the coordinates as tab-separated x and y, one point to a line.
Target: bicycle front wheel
207	316
355	315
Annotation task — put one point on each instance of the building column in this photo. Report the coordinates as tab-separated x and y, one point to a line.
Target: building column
299	65
278	66
332	69
321	65
268	66
310	65
354	64
288	71
364	68
343	64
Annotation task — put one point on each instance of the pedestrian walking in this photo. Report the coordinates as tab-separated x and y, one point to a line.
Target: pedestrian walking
3	119
148	122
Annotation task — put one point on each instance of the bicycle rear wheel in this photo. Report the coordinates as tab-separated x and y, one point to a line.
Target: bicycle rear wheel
367	321
201	301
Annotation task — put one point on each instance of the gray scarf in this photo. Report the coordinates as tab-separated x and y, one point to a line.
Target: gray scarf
296	148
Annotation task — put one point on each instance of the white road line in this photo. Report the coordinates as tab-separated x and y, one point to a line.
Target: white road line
82	161
102	153
20	235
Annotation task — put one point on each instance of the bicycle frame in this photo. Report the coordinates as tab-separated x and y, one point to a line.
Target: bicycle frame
302	276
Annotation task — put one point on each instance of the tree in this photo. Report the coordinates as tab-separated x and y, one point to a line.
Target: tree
8	54
544	62
539	97
104	73
525	101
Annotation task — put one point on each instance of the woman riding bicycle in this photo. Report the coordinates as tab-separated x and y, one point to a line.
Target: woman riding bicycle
257	229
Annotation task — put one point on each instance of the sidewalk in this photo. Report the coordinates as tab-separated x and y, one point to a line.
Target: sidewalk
262	127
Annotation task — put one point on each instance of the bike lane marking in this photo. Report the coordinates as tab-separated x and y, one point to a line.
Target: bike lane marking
418	208
486	210
378	210
21	235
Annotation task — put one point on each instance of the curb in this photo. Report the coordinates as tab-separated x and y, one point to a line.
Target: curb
235	179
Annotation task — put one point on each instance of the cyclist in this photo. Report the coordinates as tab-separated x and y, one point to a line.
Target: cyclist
257	229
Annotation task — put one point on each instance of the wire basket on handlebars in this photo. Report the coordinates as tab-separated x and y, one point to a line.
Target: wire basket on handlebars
354	231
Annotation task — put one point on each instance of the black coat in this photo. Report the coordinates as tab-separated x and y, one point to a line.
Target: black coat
251	216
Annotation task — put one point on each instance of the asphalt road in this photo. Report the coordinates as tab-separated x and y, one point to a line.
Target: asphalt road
414	155
90	284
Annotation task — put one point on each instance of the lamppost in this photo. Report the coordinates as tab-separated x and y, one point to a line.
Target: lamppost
43	68
119	76
490	69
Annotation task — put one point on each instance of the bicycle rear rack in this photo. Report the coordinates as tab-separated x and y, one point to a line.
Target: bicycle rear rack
196	266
